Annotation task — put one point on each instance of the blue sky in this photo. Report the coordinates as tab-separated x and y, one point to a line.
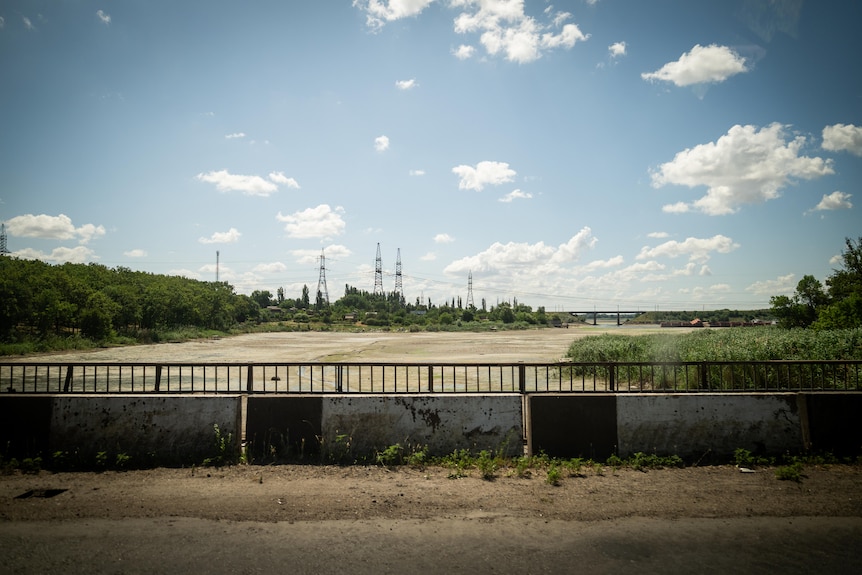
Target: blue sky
586	154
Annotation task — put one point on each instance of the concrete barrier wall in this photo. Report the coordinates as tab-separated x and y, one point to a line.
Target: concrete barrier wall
444	423
282	427
163	429
692	426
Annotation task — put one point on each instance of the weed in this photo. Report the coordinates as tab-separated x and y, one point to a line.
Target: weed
390	456
123	460
744	458
574	466
615	462
554	475
102	460
792	472
522	467
487	465
418	458
223	445
31	465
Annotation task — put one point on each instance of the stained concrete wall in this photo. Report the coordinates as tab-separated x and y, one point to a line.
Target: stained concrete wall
282	427
444	423
173	429
567	425
707	424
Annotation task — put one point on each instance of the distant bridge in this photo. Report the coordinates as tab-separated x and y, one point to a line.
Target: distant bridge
596	313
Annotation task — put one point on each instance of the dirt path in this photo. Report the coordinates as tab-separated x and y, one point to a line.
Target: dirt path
307	519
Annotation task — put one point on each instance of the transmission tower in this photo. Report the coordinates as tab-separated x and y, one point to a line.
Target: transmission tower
399	286
470	290
3	248
321	280
378	273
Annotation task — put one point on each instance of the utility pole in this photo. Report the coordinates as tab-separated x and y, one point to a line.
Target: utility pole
399	286
378	273
321	280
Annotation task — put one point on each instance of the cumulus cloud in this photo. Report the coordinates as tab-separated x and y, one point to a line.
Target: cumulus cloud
319	222
136	253
745	166
617	49
782	285
515	257
485	173
701	65
229	237
280	178
696	249
379	12
312	257
443	239
269	268
501	25
843	137
61	255
464	52
834	201
52	228
658	235
406	84
235	136
248	185
103	17
515	195
381	143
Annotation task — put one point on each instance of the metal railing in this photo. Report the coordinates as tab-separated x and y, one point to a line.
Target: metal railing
379	377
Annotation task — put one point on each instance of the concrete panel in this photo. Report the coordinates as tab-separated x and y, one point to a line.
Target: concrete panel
573	425
24	424
707	425
833	422
164	430
443	422
279	427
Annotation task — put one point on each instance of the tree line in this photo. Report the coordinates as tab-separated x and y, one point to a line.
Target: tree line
837	305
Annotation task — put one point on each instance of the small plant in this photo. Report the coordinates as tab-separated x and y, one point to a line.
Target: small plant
223	445
744	458
574	466
102	460
31	465
792	472
614	461
123	461
390	456
418	458
554	475
522	467
487	464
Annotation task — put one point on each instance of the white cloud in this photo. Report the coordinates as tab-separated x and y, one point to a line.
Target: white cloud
702	64
515	195
834	201
464	52
136	253
416	172
269	268
2	22
428	257
443	239
52	228
103	17
248	185
843	137
406	84
516	258
312	257
617	49
485	173
502	25
61	255
783	285
280	178
658	235
697	249
381	143
28	24
319	222
229	237
745	166
235	136
378	12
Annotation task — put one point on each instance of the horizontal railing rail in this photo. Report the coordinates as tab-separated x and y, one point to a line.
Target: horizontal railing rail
393	377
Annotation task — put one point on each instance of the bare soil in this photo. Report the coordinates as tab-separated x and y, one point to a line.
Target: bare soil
370	519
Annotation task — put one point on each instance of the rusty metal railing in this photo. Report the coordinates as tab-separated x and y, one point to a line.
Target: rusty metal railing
382	377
